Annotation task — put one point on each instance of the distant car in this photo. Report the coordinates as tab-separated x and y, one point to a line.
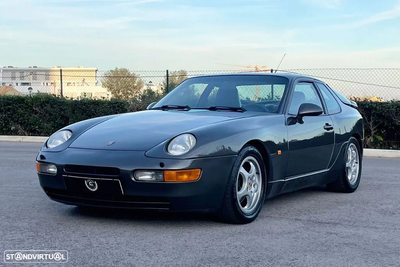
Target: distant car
220	143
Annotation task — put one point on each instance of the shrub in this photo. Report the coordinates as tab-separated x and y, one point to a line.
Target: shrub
381	124
42	115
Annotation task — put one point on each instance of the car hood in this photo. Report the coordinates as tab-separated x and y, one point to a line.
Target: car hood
143	130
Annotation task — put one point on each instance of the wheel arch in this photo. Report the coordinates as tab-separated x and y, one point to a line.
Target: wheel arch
264	153
359	140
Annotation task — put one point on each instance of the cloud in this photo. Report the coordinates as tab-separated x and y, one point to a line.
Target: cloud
139	2
183	34
128	2
386	15
381	16
328	4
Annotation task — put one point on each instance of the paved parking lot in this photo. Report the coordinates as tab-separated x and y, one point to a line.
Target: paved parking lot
311	227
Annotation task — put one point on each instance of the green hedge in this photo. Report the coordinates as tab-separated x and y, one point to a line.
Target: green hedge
381	124
41	115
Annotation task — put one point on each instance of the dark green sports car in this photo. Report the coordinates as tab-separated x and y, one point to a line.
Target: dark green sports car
220	144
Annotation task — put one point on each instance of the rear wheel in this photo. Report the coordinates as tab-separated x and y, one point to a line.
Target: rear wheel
351	171
245	192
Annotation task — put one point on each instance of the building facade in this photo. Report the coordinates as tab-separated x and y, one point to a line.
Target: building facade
74	83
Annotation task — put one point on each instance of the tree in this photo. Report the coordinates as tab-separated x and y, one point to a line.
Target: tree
122	83
143	100
174	79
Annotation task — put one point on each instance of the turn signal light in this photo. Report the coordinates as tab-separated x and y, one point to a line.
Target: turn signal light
182	175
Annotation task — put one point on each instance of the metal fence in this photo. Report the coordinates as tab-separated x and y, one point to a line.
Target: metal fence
373	84
77	83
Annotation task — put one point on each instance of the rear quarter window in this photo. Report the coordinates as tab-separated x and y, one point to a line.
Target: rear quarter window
331	104
340	96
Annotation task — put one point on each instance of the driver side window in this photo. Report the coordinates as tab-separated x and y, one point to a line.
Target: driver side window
304	92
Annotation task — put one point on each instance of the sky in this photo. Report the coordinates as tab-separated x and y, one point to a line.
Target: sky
197	35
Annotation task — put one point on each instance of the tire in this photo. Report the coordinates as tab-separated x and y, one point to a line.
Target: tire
248	183
348	183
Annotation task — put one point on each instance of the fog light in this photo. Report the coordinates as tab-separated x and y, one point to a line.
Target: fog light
46	168
149	176
182	175
51	168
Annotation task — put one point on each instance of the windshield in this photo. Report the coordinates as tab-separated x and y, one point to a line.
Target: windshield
261	93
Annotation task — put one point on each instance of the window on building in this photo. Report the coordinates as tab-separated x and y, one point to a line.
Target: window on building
21	75
47	76
25	84
13	76
86	95
34	75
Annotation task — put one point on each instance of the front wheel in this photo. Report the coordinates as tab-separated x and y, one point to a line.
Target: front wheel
246	188
351	173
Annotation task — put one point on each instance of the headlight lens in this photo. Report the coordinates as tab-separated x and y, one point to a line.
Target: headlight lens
181	144
59	138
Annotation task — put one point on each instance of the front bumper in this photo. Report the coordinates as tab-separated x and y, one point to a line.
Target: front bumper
206	194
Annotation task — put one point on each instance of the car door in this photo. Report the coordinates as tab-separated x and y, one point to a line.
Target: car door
311	139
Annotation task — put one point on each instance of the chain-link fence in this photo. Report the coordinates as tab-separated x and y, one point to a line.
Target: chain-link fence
373	84
79	83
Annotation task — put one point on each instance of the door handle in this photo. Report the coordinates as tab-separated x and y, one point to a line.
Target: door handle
328	127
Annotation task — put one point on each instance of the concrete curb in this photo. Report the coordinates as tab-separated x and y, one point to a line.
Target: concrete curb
18	138
381	153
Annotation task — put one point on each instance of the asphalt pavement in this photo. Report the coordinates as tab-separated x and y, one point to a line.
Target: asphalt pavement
311	227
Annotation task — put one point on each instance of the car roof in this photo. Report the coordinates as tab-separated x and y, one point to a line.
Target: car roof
290	76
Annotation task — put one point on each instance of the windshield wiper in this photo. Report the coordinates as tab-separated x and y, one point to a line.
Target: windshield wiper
167	107
238	109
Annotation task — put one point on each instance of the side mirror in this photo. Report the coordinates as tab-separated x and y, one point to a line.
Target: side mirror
308	109
151	105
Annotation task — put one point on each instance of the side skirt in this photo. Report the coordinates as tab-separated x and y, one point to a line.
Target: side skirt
317	178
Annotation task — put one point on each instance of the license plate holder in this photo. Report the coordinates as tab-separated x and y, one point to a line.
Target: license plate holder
93	185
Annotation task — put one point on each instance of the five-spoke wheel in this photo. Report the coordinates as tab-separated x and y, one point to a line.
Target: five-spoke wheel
352	164
246	188
248	184
350	175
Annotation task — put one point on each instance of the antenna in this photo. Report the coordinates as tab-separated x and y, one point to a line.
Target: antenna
280	62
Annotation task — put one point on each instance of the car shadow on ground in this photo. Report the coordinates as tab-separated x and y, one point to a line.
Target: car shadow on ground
185	217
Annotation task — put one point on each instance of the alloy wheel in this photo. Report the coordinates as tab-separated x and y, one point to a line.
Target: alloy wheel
352	164
249	183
